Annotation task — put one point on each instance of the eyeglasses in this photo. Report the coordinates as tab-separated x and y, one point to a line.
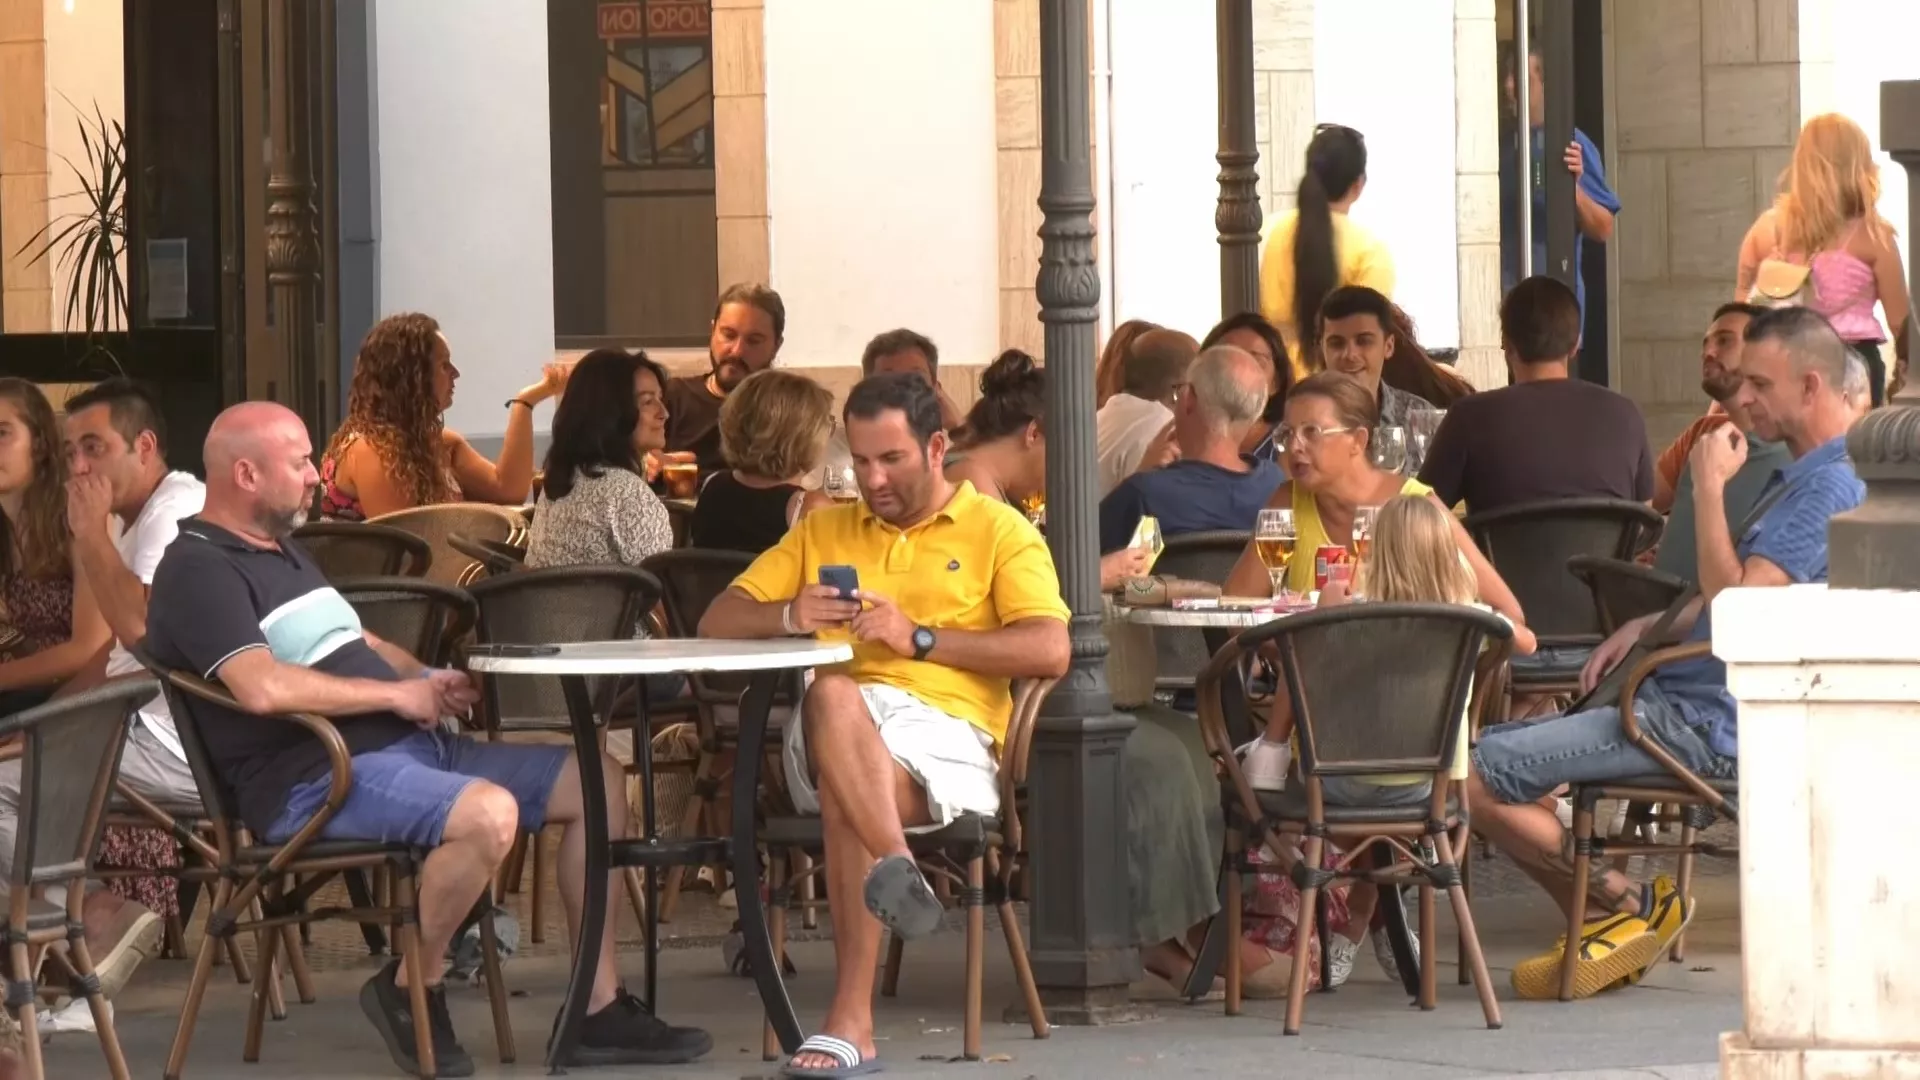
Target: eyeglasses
1309	434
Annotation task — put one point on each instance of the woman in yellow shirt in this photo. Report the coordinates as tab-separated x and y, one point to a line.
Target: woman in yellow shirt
1315	248
1323	439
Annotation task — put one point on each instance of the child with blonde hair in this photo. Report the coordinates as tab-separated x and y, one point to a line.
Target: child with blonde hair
1414	560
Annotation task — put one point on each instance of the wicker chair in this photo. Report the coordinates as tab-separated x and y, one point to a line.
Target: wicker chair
1197	556
1376	689
70	753
1622	590
692	578
495	556
1693	799
426	619
349	549
250	894
976	854
1530	545
475	521
552	606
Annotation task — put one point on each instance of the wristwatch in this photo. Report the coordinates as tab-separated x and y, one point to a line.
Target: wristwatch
922	642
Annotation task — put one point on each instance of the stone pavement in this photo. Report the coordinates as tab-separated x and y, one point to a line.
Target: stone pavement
1667	1028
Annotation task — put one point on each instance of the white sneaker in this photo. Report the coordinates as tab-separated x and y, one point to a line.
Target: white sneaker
1383	952
1265	764
1340	954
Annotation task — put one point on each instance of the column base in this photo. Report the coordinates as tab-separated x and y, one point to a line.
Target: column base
1098	1007
1741	1060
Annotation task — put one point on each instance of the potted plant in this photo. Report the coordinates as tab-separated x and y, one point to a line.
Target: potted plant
88	242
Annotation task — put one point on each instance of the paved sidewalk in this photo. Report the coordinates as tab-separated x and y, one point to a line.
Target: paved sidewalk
1667	1028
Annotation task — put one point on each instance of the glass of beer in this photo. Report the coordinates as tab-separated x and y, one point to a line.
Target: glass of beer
682	478
1273	538
840	485
1363	530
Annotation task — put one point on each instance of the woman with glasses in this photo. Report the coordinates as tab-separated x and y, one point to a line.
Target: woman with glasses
1315	248
1323	441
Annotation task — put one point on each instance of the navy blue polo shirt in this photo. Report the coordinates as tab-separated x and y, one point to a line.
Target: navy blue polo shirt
214	596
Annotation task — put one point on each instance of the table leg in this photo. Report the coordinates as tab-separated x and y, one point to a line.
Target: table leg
754	710
593	916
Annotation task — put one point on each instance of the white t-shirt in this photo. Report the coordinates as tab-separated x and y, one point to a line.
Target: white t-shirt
141	544
1123	429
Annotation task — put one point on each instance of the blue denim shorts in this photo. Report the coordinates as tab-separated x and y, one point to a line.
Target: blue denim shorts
403	792
1527	759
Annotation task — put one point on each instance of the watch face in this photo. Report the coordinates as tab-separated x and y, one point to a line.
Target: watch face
923	639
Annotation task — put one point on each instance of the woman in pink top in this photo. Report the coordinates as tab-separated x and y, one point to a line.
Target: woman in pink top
1825	219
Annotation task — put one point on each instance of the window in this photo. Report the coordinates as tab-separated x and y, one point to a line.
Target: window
631	99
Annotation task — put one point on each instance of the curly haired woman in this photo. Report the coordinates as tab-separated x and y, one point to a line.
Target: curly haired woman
394	451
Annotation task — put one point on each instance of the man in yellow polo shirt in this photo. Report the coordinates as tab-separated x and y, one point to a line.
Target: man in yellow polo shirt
957	597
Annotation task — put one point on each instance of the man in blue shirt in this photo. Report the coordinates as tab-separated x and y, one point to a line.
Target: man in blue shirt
1213	485
1793	367
1595	204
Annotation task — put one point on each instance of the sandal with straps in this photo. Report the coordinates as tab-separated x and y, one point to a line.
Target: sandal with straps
850	1063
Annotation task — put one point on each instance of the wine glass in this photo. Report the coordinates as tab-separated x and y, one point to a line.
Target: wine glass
1274	535
1390	448
1422	424
840	485
1363	518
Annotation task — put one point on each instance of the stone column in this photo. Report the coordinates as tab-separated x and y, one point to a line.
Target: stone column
292	242
1238	215
1083	955
1829	736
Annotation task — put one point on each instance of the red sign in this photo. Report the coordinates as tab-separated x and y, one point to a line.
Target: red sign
656	18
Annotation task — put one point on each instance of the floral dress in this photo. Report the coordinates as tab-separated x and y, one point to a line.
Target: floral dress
39	611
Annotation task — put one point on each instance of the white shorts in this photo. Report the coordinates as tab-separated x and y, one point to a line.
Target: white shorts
952	759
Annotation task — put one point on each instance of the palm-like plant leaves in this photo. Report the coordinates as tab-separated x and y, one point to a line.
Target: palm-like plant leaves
87	244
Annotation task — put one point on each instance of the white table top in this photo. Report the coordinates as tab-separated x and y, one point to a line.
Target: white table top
1199	618
667	655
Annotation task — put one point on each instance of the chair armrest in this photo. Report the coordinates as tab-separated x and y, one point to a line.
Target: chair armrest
1028	695
1213	722
1652	662
339	759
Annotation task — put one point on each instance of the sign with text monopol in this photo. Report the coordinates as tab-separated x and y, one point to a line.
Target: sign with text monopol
656	19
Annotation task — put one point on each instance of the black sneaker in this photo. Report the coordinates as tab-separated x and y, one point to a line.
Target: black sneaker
391	1010
627	1033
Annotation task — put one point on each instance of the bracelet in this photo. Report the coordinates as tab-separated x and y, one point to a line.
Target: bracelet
786	620
511	402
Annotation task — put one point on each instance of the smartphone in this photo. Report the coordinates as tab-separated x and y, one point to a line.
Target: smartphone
844	580
519	650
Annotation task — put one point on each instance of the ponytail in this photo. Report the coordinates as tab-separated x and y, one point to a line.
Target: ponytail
1336	160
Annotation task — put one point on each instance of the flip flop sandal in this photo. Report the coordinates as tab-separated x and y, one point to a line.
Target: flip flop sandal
898	895
841	1051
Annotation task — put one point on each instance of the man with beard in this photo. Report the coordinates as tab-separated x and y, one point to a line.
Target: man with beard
1720	352
749	323
956	598
234	600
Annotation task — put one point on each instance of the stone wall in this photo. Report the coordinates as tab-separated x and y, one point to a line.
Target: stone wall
1708	99
27	303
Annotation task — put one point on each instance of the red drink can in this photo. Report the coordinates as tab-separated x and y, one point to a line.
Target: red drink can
1325	557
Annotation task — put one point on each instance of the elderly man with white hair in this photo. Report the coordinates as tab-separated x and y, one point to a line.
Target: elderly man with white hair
1213	485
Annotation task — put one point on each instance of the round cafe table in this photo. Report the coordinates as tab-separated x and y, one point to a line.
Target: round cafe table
1222	624
574	664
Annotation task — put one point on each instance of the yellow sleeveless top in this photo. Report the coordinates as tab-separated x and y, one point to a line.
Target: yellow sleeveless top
1312	535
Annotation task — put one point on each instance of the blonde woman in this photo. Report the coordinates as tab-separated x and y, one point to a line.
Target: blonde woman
1823	243
774	429
1416	559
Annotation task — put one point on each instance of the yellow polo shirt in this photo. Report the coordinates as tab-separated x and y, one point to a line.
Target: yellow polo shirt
977	564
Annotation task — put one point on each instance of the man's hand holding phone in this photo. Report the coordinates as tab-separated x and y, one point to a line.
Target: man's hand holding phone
820	607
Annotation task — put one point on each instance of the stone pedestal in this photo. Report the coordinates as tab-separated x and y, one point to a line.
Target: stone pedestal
1828	683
